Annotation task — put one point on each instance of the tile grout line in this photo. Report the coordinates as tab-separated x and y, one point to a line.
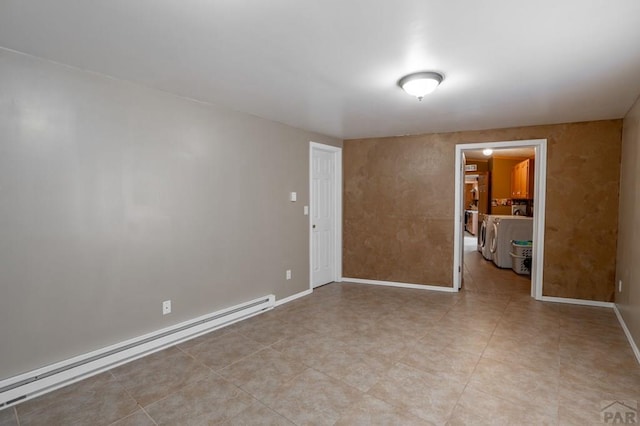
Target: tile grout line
240	387
140	408
148	415
362	394
479	359
262	347
511	300
124	388
461	306
264	405
170	394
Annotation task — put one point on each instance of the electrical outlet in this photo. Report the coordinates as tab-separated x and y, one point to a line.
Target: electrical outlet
288	274
620	286
166	307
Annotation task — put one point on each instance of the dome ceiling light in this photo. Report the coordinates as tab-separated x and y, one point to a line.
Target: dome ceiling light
420	84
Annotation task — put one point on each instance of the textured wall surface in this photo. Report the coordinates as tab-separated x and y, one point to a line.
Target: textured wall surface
482	165
501	182
628	267
399	202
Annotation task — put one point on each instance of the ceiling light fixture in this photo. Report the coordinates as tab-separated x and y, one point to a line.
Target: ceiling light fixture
487	151
420	84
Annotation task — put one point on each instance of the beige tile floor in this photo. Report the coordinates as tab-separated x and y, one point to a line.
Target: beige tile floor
353	354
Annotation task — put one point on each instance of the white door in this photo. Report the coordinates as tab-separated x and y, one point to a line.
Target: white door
323	220
461	224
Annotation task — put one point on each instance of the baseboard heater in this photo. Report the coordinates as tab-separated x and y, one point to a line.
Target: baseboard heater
46	379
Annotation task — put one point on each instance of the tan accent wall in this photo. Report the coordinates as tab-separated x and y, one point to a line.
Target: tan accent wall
399	202
482	165
501	182
501	177
628	267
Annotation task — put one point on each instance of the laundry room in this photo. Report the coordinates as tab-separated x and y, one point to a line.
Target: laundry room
498	219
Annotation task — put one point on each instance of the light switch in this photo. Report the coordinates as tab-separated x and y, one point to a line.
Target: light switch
306	210
293	196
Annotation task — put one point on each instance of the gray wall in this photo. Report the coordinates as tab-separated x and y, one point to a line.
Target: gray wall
628	268
115	197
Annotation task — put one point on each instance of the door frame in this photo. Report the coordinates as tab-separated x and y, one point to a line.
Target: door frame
337	202
540	191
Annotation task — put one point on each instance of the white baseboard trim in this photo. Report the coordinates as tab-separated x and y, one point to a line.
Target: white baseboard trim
583	302
346	280
627	333
37	382
293	297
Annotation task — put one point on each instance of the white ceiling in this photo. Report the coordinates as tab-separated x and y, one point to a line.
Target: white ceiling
331	66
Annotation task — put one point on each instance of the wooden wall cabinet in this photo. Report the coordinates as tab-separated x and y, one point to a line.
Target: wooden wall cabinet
483	192
522	180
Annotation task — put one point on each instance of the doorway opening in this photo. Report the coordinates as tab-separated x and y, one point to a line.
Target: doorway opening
490	214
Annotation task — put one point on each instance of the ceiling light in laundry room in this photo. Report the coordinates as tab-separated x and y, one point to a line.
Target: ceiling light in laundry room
487	151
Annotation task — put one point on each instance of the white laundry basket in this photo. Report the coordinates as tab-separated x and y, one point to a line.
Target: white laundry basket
521	253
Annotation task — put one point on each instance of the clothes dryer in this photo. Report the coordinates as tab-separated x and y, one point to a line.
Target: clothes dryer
504	229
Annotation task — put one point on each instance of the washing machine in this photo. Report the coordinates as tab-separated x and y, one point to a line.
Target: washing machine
485	235
482	233
503	230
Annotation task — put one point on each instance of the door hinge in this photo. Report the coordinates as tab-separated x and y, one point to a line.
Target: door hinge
459	269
